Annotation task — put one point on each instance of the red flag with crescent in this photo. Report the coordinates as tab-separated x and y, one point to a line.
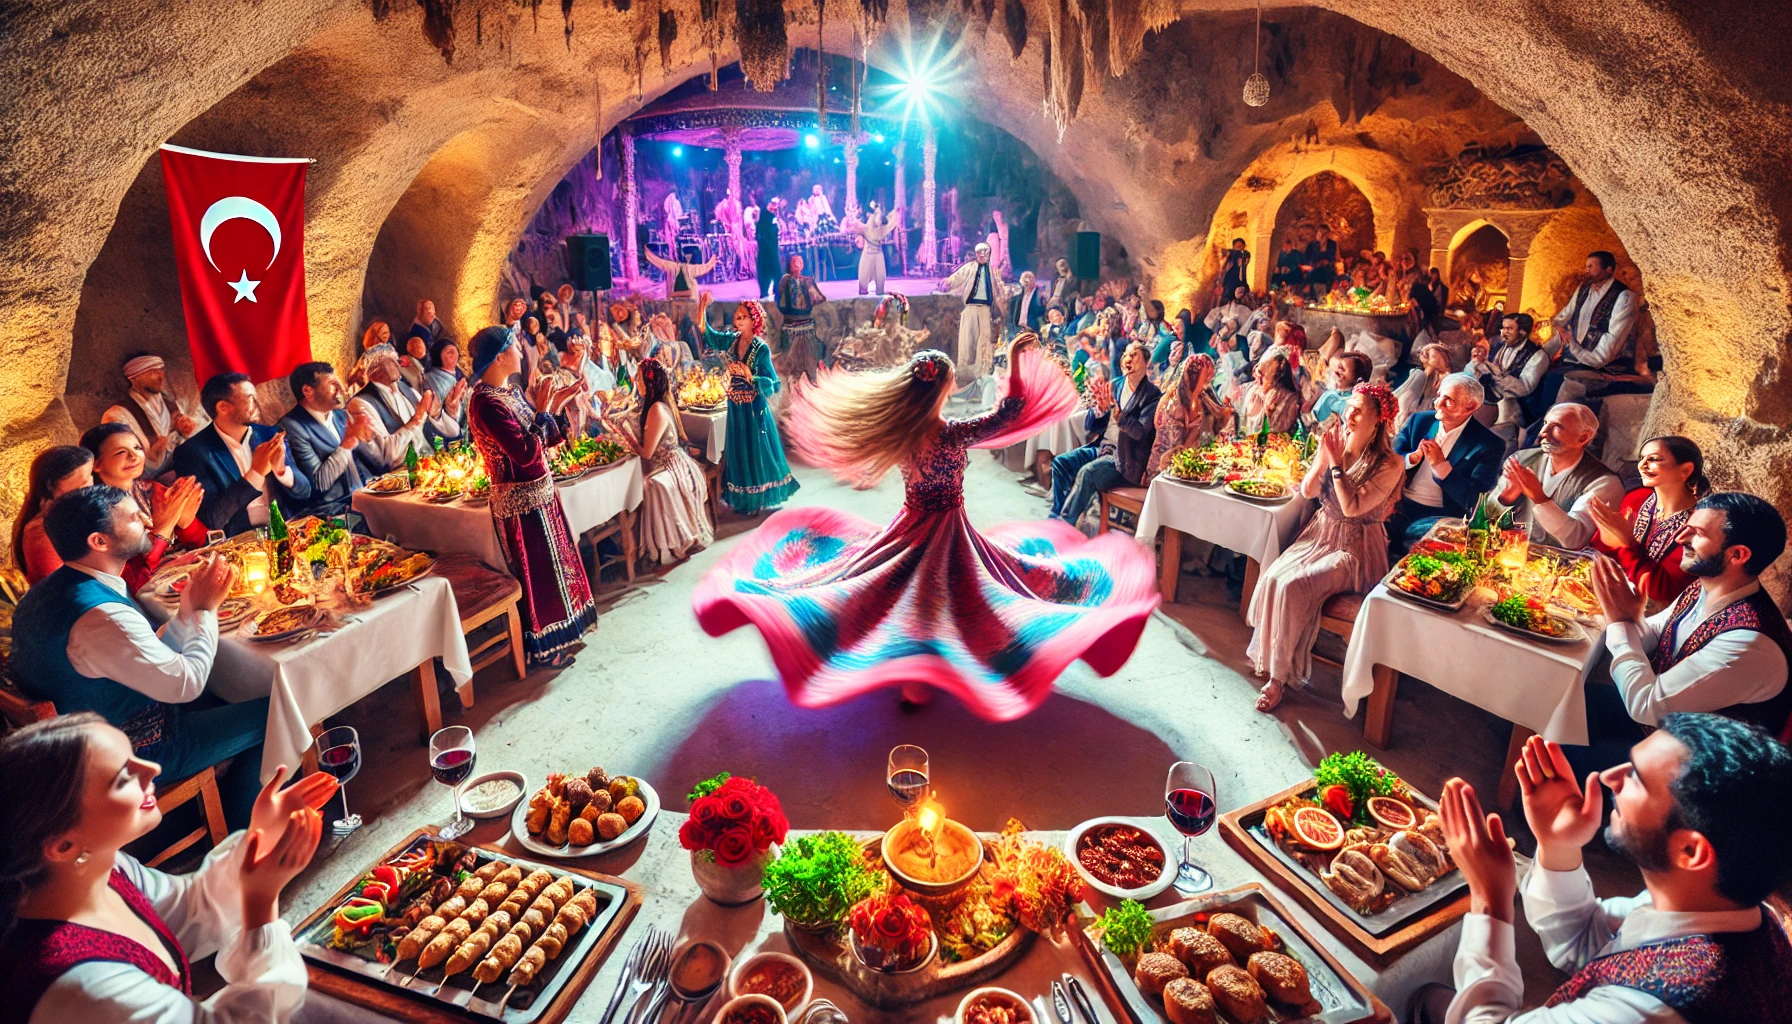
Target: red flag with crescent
239	246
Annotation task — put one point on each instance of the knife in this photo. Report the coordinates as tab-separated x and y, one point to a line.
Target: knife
1061	1003
1081	998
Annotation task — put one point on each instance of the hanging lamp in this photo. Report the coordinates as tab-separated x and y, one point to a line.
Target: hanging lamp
1256	87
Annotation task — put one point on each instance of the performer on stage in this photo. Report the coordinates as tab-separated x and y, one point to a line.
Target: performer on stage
755	476
979	284
846	607
997	240
885	341
673	215
872	232
797	296
765	232
681	278
513	437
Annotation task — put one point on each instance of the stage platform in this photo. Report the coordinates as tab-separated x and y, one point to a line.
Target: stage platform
734	291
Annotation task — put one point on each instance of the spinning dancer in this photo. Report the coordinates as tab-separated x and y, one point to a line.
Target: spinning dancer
846	607
872	233
755	476
980	286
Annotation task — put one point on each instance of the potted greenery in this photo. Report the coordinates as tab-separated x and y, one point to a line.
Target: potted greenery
817	879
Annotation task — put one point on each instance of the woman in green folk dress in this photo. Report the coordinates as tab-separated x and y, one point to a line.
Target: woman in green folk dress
755	477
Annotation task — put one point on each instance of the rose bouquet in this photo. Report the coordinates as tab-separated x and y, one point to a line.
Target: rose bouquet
732	820
892	933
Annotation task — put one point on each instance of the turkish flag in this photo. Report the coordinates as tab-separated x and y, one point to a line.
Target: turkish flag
239	245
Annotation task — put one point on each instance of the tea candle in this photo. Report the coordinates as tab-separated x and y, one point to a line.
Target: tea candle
255	570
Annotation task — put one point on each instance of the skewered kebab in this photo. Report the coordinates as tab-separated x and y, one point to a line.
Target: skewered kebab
573	916
461	928
533	922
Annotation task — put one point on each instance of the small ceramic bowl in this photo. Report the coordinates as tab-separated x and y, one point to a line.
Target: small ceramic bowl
768	1002
745	967
1144	892
1013	998
516	779
903	829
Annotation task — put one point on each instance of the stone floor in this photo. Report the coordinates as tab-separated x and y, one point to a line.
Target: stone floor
651	695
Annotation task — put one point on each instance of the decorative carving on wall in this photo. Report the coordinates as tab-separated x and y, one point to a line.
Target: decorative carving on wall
1518	178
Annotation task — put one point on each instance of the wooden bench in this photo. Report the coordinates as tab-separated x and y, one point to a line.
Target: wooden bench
20	710
1128	499
483	595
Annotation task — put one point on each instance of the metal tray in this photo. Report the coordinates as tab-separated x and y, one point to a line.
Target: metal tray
525	1005
1341	998
1397	913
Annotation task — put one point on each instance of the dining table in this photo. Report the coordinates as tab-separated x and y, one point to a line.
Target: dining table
706	429
1259	530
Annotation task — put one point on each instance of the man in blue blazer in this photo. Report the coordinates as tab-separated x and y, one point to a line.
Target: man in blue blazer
1451	459
1026	307
324	440
240	463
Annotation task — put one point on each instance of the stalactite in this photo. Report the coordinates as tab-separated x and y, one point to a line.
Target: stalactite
1014	26
1128	23
646	26
987	10
566	16
1093	16
1063	65
764	47
709	12
821	66
668	33
438	26
382	9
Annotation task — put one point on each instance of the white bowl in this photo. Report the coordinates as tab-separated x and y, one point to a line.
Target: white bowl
752	1000
522	790
741	968
1143	892
519	828
988	990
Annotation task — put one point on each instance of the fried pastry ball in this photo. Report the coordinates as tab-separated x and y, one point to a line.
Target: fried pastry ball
1187	1001
597	779
1238	994
631	808
580	832
1198	951
578	793
611	825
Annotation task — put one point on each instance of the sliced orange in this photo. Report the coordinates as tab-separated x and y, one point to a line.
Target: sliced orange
1316	828
1391	813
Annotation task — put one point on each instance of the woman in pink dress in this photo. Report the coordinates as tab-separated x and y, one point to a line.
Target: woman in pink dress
846	606
1344	547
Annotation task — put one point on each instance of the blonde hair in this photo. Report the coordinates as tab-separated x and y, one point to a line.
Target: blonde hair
861	425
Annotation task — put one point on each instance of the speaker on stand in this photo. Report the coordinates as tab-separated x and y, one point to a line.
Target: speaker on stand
1085	256
588	262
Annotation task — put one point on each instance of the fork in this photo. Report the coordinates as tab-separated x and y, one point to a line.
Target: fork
655	975
629	967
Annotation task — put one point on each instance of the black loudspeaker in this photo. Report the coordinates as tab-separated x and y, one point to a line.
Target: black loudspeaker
1085	256
588	261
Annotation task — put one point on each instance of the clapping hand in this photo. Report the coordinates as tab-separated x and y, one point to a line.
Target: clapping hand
208	585
541	390
1621	602
1526	481
277	464
284	829
1614	526
1478	845
456	395
1562	815
1433	453
1331	443
184	425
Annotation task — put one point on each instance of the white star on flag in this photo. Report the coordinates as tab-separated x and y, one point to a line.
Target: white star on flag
245	288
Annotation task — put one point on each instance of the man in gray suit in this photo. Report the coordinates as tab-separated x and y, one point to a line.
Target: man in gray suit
325	440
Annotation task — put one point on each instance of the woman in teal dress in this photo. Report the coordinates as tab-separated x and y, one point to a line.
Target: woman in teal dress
755	476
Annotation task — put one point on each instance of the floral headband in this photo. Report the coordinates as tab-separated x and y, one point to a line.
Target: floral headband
928	365
1382	396
757	312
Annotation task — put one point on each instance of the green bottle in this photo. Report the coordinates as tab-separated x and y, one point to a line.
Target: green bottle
410	463
280	540
1079	375
622	380
1263	432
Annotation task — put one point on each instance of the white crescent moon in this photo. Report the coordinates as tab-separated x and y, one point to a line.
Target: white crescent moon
232	208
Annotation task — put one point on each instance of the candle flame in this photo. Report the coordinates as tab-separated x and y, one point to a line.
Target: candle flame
929	818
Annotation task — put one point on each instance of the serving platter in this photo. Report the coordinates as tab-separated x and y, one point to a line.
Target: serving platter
1282	499
649	796
1573	633
1452	607
1342	998
391	990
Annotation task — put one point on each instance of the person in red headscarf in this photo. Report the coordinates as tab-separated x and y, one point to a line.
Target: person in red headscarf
755	475
1356	476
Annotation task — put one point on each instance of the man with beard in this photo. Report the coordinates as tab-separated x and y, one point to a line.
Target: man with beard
152	414
1551	487
1722	646
324	440
1692	809
79	641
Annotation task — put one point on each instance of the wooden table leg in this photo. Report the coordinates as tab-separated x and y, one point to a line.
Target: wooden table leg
517	657
628	545
1252	569
1172	567
1378	721
1508	791
429	702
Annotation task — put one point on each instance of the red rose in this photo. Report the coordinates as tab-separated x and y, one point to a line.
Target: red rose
707	813
734	847
733	807
892	923
691	837
765	831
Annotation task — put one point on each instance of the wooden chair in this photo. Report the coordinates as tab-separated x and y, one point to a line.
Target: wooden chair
20	710
1338	617
483	595
1128	499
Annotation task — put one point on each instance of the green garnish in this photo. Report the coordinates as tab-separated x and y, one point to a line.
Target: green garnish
817	879
1423	566
1126	929
1357	772
1515	611
707	786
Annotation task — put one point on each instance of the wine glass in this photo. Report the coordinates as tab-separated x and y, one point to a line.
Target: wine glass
451	756
339	754
1190	802
907	775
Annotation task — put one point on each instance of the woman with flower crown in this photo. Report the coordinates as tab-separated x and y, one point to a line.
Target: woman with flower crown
993	618
1344	548
755	476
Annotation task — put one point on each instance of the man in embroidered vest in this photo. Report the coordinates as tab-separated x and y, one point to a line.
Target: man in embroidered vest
153	414
1511	375
979	285
399	415
1722	646
1551	486
1692	808
79	642
1591	331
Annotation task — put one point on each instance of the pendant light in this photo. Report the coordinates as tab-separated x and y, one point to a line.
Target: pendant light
1256	87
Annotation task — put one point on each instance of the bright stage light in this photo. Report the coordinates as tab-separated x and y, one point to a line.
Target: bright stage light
811	141
879	137
677	150
925	75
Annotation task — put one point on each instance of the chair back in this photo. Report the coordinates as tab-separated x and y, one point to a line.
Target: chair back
20	710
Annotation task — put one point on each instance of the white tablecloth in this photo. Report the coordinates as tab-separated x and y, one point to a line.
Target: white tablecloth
1214	515
1536	685
708	430
1056	439
309	681
407	519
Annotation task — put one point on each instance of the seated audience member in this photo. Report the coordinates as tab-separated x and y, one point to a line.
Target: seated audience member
1451	460
1154	332
55	472
240	463
400	416
1025	305
173	509
674	519
1593	329
1188	416
1384	352
665	346
1121	426
425	325
1052	337
1331	346
95	936
1512	373
1696	946
1343	548
444	370
1553	486
1419	393
1238	308
80	642
1644	534
1188	338
1722	646
152	414
326	441
413	366
1273	397
1343	371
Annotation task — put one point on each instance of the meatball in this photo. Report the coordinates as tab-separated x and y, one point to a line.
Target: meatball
580	833
600	799
1238	935
1187	1001
1283	978
1155	970
578	793
1238	994
597	779
631	808
611	825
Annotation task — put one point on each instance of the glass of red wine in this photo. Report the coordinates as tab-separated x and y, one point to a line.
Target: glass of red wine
1190	802
339	754
907	775
451	755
